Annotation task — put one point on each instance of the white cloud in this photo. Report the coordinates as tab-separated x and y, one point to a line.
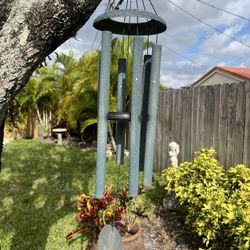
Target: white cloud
190	48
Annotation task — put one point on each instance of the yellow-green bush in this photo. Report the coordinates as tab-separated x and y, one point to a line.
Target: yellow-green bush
217	203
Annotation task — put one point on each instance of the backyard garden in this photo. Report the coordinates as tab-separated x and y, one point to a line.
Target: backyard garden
65	181
41	184
47	196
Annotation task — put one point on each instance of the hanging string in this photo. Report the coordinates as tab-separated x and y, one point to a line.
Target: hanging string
123	37
129	19
156	14
144	8
97	32
137	6
126	5
111	6
153	7
107	7
119	4
137	28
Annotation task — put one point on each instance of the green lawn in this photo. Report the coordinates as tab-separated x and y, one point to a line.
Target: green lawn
39	187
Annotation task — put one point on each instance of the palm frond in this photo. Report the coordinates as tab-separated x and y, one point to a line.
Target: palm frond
87	123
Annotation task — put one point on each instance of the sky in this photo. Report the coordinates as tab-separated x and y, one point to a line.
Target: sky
190	48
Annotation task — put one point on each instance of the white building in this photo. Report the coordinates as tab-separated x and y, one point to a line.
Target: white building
222	75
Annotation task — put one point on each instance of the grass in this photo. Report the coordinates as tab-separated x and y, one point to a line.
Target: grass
39	187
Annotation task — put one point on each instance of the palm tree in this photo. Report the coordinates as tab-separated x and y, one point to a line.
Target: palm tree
67	89
79	103
36	99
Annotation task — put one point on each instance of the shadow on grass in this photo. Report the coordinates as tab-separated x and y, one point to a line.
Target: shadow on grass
39	187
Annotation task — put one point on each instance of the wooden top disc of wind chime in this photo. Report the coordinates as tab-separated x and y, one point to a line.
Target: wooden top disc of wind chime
154	24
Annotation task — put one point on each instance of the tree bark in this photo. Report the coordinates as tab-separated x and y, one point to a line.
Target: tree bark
29	31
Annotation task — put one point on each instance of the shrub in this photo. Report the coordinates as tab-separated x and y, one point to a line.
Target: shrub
216	202
95	213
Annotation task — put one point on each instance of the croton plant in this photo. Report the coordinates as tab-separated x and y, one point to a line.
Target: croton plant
95	213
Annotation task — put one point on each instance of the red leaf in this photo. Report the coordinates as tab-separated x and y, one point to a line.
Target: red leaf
80	230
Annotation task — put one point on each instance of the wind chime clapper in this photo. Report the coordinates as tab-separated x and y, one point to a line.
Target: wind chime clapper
144	96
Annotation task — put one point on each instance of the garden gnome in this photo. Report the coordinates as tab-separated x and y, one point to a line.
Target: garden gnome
173	153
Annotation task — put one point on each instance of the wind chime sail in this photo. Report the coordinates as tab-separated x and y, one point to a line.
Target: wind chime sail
144	96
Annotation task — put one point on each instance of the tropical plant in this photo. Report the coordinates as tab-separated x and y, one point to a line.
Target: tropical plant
79	104
36	100
66	90
216	203
95	213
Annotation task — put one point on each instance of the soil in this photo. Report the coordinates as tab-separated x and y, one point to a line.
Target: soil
166	231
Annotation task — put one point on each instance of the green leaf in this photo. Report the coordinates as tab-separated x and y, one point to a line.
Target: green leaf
87	123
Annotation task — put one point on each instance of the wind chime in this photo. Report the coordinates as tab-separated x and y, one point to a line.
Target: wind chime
144	97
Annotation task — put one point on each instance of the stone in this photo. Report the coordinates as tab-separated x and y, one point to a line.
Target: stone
170	202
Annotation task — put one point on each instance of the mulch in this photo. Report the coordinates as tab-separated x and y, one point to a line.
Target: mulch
166	231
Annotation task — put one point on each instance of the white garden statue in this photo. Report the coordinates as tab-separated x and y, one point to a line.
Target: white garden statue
173	153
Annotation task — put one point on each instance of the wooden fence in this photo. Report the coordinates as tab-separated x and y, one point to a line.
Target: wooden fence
211	116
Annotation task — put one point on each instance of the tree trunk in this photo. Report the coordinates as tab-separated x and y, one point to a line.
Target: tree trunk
29	31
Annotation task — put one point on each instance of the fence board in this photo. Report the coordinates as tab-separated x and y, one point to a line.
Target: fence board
168	127
198	121
222	153
215	135
193	120
210	116
231	116
164	152
158	143
239	125
246	150
203	118
187	124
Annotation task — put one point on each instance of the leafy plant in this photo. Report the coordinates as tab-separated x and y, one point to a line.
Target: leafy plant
141	205
237	209
216	203
95	213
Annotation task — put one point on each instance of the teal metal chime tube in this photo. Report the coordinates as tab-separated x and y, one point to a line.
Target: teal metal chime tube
152	114
121	102
136	104
146	81
103	107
